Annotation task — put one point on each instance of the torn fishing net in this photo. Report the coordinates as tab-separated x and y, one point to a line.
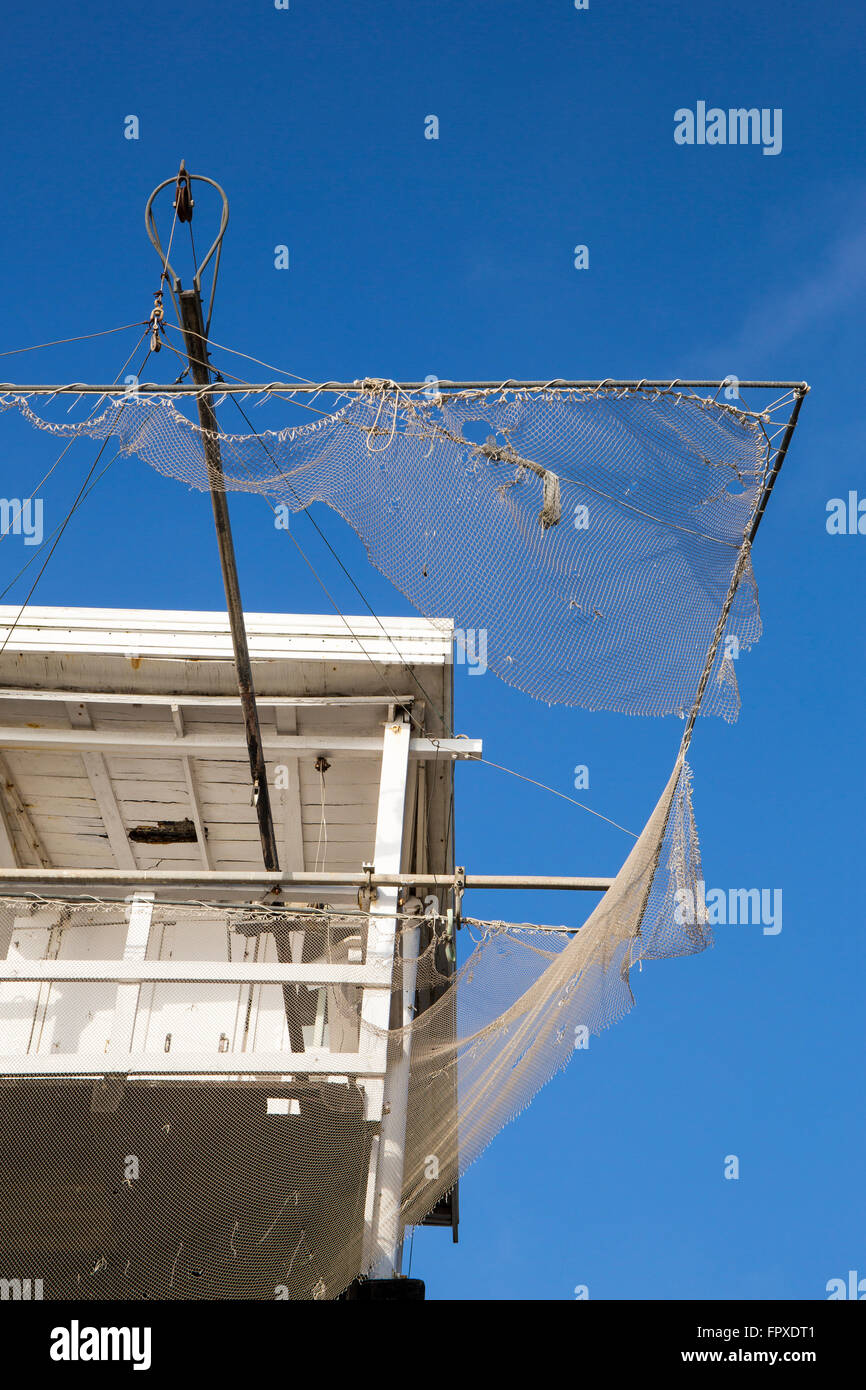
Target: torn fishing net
291	1185
583	540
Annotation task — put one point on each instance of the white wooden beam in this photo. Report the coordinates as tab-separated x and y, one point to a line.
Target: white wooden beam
100	780
191	789
134	952
113	697
134	970
381	945
198	818
292	848
219	745
11	799
186	636
241	1064
382	930
8	853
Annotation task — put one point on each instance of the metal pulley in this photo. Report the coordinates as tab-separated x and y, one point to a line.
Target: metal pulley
183	199
183	206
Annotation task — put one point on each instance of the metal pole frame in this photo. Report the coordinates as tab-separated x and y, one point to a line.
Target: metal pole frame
32	880
751	531
152	388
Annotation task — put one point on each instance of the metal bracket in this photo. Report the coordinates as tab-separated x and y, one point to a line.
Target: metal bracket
459	890
367	894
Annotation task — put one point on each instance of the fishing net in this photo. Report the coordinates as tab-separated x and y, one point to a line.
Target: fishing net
586	540
599	540
292	1184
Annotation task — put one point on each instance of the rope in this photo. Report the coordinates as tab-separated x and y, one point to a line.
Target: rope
45	478
240	380
336	607
406	667
58	342
66	521
302	380
82	493
48	539
544	787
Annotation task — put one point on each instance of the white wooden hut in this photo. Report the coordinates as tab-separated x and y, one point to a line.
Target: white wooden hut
125	788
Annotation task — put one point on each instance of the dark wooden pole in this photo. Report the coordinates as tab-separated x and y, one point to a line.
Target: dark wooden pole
192	323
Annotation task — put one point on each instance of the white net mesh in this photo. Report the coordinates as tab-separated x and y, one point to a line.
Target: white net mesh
600	539
287	1186
592	535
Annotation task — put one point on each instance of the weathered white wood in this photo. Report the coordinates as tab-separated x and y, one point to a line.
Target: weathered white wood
135	634
135	970
176	718
292	847
134	951
370	1194
319	1025
12	797
388	1229
327	697
197	817
381	942
174	623
383	1235
217	745
232	702
376	1004
8	853
100	781
25	1006
312	1062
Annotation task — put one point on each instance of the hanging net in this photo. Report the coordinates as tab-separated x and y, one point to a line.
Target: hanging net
290	1185
599	539
590	535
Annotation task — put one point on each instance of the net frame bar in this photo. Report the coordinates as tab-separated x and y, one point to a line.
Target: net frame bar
356	387
775	459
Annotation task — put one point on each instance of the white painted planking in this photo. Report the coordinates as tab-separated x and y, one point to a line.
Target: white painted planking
100	650
146	741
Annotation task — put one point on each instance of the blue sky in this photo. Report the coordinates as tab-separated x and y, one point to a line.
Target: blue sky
455	257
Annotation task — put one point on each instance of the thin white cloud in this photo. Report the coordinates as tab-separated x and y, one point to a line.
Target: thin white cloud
838	281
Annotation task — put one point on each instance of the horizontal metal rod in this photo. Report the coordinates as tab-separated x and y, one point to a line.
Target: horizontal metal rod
184	388
195	972
24	879
551	929
316	1060
169	744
